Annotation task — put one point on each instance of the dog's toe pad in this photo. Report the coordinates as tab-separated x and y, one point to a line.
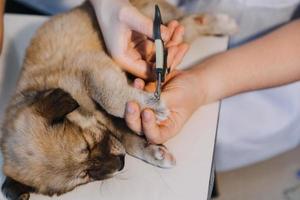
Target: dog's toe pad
162	157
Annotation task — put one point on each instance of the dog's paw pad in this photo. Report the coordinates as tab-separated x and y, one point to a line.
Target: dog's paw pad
159	107
163	158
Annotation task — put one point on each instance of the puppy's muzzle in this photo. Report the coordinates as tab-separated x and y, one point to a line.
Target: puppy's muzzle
106	168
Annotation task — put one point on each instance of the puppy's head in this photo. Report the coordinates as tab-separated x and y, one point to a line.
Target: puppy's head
45	152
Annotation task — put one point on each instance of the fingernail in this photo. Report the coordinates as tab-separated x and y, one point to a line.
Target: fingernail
147	116
129	108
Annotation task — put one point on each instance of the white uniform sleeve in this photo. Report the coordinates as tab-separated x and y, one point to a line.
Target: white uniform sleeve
270	3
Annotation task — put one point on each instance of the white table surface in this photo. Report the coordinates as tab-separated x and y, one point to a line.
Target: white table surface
193	147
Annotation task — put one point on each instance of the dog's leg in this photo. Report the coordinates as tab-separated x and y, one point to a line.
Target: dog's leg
207	24
108	86
157	155
136	146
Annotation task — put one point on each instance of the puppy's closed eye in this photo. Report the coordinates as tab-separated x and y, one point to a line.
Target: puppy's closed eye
85	151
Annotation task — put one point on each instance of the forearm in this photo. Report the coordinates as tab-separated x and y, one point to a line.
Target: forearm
270	61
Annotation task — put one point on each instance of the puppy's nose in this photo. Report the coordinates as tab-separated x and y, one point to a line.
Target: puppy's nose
122	162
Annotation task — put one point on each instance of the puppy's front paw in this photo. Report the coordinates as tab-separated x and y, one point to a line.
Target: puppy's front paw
159	155
159	107
208	24
148	100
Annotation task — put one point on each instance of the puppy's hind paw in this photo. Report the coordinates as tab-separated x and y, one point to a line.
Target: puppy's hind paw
159	155
208	24
223	24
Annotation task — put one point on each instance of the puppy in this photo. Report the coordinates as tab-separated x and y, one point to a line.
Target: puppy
63	126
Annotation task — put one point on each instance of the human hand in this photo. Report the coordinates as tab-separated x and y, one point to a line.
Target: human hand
180	99
127	34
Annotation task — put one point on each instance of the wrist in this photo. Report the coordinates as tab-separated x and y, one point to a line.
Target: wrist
196	87
207	84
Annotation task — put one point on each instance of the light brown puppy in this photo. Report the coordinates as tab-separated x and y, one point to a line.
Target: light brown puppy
63	127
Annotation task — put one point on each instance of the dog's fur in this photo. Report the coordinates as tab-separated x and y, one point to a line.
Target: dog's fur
63	127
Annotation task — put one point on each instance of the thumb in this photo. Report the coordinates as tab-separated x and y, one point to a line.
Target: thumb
136	21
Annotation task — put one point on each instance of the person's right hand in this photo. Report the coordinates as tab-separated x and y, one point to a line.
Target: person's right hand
128	37
180	99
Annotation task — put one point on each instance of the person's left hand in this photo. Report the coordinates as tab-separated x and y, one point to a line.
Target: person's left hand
136	52
180	99
128	36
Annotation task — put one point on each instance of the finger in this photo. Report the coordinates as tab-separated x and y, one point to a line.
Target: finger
165	33
181	51
132	117
150	127
154	133
171	55
177	57
146	49
168	129
139	83
177	36
138	68
172	25
169	77
171	28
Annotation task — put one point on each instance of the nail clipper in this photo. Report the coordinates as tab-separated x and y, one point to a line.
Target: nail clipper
160	53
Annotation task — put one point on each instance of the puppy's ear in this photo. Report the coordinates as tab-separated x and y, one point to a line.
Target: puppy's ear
55	104
14	190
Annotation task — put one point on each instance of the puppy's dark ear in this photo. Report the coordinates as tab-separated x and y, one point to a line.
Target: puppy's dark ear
14	190
55	104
